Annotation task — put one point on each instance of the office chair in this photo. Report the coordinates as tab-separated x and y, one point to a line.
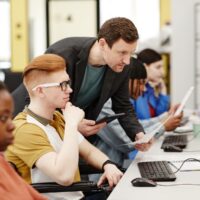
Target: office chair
12	79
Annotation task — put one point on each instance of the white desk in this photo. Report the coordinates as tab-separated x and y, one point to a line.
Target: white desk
125	191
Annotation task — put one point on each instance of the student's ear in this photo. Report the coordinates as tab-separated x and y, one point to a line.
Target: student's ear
40	92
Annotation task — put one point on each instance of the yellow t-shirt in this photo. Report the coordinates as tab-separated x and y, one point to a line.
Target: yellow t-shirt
31	142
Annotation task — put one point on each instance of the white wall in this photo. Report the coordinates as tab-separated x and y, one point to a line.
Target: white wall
72	18
183	50
37	27
37	22
145	14
5	50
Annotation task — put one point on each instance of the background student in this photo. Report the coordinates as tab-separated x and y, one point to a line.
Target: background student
154	102
12	186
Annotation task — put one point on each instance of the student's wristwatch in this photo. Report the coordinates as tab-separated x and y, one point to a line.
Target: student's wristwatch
108	162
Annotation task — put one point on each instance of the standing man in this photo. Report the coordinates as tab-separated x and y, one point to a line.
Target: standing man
99	70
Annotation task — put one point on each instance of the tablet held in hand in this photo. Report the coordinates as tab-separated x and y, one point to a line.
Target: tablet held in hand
110	118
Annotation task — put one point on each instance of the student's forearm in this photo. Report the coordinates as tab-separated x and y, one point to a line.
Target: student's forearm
97	159
93	156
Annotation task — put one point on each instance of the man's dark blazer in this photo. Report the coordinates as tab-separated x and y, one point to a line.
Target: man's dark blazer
75	51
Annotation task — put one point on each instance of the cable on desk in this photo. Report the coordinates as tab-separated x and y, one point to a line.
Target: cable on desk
197	150
193	137
183	162
180	184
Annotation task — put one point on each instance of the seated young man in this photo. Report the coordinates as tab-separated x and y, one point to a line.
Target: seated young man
47	144
12	186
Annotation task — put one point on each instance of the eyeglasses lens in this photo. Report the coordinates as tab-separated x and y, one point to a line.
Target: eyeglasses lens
65	84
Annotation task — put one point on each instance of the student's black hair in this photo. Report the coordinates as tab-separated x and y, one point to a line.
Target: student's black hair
149	56
137	69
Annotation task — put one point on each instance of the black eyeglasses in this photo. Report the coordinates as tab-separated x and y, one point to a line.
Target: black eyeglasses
64	85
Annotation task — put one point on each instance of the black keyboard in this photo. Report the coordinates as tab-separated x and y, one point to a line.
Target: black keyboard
156	171
175	140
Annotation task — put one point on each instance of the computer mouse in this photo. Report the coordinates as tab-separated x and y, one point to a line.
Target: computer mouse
172	148
143	182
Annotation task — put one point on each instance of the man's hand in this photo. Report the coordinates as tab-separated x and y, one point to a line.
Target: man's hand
88	127
112	174
144	146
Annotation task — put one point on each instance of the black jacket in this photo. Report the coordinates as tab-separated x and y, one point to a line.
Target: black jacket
75	51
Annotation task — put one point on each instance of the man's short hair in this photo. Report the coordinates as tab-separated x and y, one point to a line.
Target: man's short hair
40	67
116	28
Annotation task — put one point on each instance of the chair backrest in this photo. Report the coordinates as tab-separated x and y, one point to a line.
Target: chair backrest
12	80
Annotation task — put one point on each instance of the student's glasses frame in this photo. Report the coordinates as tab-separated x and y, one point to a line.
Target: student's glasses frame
64	85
